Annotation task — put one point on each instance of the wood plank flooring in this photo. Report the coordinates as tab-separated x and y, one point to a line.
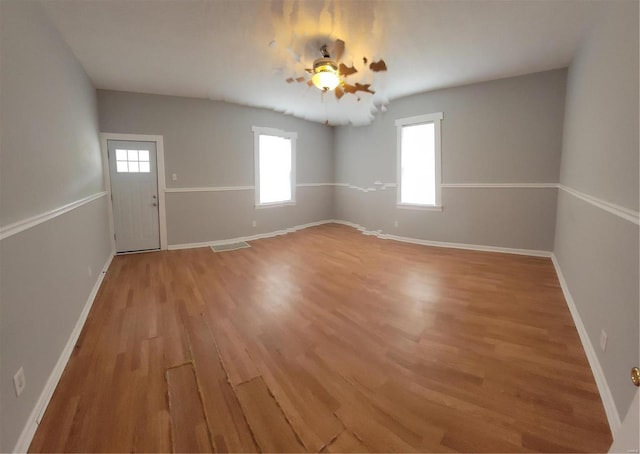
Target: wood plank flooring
327	340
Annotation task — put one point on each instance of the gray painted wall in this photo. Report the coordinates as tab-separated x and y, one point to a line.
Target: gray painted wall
504	131
210	144
598	251
48	119
50	156
223	215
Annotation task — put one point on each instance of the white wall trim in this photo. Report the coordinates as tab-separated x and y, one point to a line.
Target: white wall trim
409	206
162	211
29	430
20	226
238	188
471	247
250	237
620	211
624	213
467	185
426	118
603	387
310	185
500	185
212	189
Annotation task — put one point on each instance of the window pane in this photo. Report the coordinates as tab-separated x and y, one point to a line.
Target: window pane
121	155
275	169
144	167
132	155
121	166
143	155
133	166
417	165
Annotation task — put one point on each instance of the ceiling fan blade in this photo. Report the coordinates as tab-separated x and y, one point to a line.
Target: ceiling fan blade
345	70
300	79
309	70
377	66
365	88
338	50
309	82
349	88
289	80
339	92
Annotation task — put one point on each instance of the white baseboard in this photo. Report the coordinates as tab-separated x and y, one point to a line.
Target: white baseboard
250	237
35	417
471	247
365	231
603	387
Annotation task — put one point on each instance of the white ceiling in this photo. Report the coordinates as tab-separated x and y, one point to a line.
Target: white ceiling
242	51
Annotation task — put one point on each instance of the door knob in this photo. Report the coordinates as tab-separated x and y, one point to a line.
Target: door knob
154	196
154	204
635	376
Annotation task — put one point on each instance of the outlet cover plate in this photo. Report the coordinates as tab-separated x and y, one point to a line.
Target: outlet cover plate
603	340
19	382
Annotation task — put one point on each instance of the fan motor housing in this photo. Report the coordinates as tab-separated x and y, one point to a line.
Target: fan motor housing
324	64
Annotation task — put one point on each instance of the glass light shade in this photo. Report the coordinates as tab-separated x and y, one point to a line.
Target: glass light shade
325	78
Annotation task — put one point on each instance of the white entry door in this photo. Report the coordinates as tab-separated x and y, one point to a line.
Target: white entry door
134	192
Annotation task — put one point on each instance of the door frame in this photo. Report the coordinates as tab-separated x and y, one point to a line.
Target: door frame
159	141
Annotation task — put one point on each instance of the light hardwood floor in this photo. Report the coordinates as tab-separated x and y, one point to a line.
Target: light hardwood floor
327	340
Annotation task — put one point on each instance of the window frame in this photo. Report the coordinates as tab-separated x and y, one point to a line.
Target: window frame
292	136
436	119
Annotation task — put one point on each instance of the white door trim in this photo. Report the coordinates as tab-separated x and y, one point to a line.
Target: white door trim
159	141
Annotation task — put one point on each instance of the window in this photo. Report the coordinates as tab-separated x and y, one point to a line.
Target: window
419	162
132	161
275	162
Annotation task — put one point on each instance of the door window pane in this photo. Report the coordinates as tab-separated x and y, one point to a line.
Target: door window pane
132	161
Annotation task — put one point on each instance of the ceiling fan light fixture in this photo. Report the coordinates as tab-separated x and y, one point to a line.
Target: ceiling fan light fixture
325	74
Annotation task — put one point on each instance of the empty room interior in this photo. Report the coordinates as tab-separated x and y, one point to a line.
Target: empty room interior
319	226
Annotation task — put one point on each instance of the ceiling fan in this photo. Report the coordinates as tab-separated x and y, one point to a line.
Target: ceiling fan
328	73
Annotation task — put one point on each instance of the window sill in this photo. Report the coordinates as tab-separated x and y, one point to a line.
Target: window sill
274	205
410	206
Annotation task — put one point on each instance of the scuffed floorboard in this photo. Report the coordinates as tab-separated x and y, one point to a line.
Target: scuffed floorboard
227	423
266	419
188	425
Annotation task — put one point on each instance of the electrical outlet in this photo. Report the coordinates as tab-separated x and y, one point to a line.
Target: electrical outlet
603	340
19	382
254	223
90	271
395	223
174	176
